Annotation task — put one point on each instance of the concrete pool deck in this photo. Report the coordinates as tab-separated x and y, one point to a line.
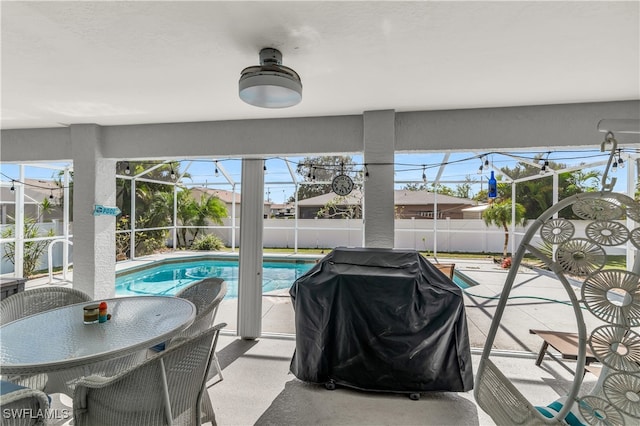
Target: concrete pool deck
533	302
258	388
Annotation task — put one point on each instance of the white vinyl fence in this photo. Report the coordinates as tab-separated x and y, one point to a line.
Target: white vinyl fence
446	235
6	267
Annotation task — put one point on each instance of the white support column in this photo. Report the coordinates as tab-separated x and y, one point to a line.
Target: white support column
94	236
379	148
250	258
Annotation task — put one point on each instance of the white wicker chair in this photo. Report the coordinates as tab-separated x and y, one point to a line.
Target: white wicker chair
31	302
38	300
614	398
22	406
167	389
206	295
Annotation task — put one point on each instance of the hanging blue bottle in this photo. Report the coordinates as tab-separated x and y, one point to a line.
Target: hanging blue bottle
493	186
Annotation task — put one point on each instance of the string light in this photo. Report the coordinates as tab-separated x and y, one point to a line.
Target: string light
424	175
216	172
51	195
620	160
619	163
520	157
545	165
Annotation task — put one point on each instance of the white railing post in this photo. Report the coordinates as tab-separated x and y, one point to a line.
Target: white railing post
65	224
18	255
132	222
50	258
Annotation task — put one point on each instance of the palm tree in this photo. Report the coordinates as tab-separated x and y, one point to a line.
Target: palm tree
499	214
153	201
197	213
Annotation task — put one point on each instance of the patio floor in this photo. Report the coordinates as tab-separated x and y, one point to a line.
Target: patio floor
259	389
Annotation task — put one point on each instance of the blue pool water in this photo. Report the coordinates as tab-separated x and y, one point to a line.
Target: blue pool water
167	278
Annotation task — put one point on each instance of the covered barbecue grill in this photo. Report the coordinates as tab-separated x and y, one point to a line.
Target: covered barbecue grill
380	320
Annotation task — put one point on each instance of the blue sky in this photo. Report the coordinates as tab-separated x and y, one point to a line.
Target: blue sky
409	167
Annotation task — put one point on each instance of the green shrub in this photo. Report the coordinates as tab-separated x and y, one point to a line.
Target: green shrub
32	251
207	243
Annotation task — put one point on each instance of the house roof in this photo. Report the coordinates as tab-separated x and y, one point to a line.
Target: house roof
35	191
223	195
402	197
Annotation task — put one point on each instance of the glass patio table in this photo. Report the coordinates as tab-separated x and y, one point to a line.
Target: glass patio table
58	345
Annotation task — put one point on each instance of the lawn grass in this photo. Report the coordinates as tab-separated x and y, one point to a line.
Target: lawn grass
613	261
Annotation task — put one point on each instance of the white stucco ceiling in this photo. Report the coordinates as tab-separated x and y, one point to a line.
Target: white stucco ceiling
146	62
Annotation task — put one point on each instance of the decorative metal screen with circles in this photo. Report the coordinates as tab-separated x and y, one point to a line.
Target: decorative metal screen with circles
611	295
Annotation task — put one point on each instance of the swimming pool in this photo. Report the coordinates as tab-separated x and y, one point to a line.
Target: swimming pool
170	276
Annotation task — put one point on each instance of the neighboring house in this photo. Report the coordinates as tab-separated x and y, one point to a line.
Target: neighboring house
474	212
282	210
408	204
35	192
227	198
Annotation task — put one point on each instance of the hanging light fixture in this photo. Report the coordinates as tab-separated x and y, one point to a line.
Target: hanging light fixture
620	160
270	84
13	186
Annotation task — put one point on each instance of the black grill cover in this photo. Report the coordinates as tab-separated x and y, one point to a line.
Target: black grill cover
380	320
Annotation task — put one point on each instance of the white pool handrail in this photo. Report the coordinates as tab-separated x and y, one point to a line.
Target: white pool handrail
66	264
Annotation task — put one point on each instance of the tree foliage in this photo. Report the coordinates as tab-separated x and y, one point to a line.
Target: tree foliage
154	207
32	250
196	214
429	187
463	190
536	195
499	214
322	169
340	208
